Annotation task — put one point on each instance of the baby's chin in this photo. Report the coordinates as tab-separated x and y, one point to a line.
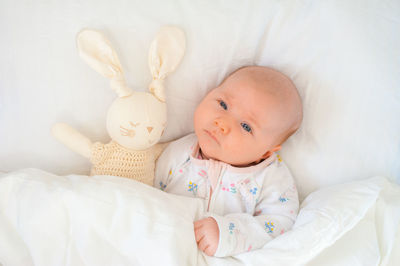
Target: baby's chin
205	151
211	150
209	154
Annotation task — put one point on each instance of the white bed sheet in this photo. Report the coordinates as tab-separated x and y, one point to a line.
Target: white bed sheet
78	220
342	55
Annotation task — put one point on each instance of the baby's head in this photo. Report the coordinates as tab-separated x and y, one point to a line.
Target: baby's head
248	116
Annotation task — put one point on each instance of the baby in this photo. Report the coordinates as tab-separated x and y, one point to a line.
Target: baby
230	162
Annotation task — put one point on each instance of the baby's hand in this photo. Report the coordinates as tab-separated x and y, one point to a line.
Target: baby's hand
207	235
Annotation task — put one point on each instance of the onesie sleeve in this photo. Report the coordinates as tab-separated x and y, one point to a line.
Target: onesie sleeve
275	213
174	154
159	147
164	167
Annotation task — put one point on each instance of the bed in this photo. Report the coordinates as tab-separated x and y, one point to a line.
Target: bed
343	58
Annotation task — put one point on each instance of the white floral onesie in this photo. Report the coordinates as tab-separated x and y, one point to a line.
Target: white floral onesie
251	205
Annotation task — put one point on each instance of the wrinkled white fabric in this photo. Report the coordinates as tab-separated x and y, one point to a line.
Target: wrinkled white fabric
78	220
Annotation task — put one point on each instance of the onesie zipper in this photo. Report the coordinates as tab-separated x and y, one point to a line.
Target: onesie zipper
216	170
209	199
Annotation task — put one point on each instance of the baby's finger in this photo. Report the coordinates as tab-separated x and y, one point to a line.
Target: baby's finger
209	250
198	224
199	234
203	244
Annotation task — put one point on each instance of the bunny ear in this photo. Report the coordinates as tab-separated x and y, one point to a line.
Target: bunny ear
97	52
166	52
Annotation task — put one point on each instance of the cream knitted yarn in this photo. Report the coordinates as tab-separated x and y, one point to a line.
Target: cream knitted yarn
113	159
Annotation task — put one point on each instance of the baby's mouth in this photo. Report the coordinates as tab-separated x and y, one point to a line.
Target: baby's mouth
211	135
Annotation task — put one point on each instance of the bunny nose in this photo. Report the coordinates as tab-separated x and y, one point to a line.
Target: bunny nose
222	125
149	129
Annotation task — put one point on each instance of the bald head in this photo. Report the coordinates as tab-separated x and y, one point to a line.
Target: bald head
278	87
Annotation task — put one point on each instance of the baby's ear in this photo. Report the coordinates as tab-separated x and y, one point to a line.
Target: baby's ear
270	152
277	148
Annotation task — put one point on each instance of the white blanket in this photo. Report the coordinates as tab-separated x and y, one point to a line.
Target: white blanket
103	220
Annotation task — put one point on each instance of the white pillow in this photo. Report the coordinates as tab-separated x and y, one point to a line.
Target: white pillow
343	57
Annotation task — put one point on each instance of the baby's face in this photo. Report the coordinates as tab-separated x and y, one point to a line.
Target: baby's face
238	123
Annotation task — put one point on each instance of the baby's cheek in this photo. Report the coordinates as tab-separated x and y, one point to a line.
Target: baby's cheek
242	152
237	145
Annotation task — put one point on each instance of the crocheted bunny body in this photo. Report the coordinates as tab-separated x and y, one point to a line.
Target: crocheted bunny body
135	120
114	159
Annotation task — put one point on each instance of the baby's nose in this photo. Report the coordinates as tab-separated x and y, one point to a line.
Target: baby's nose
222	125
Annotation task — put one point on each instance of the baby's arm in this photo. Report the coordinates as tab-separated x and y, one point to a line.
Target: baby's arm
275	213
164	165
159	148
173	154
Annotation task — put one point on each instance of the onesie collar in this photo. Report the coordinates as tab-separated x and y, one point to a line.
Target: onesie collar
242	170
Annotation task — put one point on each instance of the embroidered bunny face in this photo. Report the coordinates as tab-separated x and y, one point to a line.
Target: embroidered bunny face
137	121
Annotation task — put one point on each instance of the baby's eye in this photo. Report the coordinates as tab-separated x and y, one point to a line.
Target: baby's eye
223	105
246	127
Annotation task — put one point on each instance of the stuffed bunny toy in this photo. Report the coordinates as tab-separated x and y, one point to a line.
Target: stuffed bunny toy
135	120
